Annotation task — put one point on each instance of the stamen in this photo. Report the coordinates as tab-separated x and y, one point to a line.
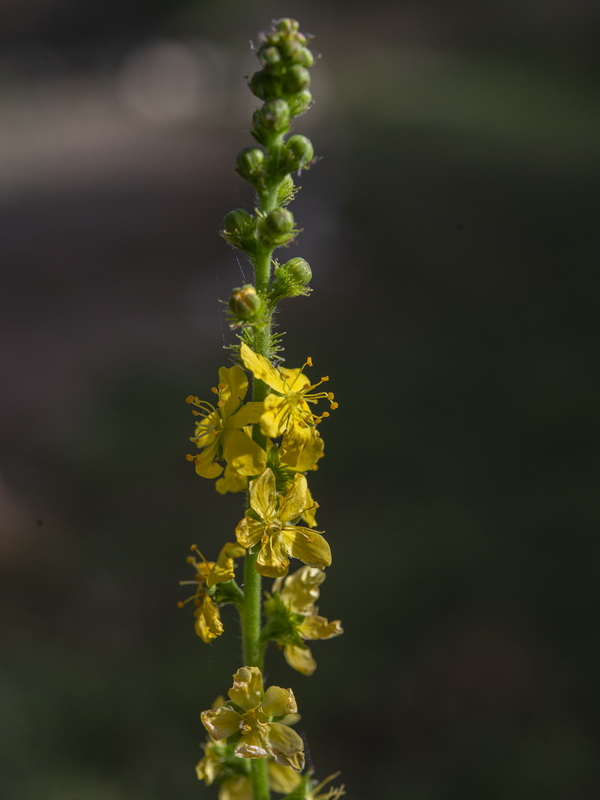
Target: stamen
309	361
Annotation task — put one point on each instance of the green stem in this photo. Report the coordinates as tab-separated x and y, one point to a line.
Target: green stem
252	607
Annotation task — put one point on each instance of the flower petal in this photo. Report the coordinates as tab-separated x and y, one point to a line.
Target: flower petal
232	481
301	448
294	502
221	722
300	659
276	418
261	368
263	495
315	627
301	589
208	623
243	454
249	414
237	787
273	557
233	385
224	567
249	531
278	702
309	546
286	746
247	689
282	779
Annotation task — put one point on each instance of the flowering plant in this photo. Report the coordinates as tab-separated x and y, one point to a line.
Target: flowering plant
264	446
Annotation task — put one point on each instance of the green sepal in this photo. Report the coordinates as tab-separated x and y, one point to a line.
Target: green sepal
282	624
227	592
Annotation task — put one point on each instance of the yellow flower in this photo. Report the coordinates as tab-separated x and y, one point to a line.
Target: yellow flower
260	736
208	623
219	763
268	522
219	432
287	409
299	593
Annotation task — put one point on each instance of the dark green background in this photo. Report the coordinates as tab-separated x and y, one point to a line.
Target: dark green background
452	229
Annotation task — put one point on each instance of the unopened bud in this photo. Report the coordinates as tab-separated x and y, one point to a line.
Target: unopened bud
298	270
305	58
249	164
291	279
245	303
299	152
298	103
270	120
238	222
290	47
264	85
269	55
277	227
297	79
286	25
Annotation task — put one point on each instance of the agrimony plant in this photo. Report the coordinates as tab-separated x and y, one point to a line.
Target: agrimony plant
264	443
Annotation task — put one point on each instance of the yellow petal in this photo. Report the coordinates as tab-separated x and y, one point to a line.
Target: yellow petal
301	589
249	532
286	746
276	418
232	481
233	385
294	502
282	779
208	624
309	515
261	368
249	414
263	495
205	466
295	379
300	659
243	454
237	787
309	546
224	567
221	722
301	452
315	627
273	557
247	689
278	702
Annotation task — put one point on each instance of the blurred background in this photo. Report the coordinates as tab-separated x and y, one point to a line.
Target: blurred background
452	229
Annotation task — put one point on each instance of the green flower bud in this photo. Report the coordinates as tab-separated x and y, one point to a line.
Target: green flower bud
238	222
286	25
277	228
299	152
249	164
244	303
305	58
269	55
298	270
270	120
290	48
291	279
239	230
264	85
297	79
299	103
